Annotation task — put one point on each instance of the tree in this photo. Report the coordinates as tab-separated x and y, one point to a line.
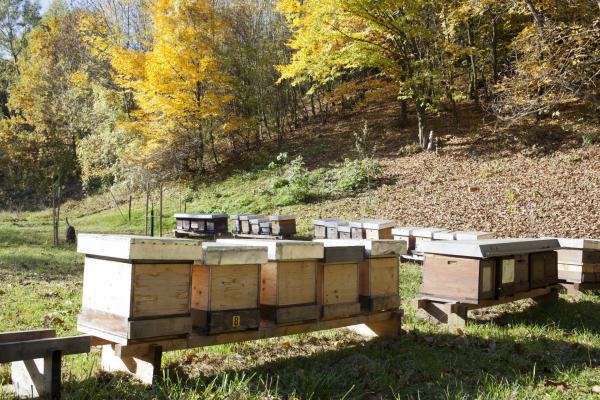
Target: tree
400	39
180	91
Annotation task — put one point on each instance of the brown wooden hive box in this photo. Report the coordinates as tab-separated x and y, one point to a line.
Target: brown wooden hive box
327	228
579	260
288	281
337	279
225	288
136	287
245	222
283	225
471	271
379	288
373	229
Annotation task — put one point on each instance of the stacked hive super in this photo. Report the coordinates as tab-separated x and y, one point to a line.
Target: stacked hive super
200	225
472	271
279	226
136	287
374	229
288	280
378	281
579	261
225	288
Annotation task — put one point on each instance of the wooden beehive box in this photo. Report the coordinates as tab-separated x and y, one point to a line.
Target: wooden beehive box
337	279
345	232
245	222
265	228
284	225
579	260
379	273
543	269
236	223
471	271
373	229
136	287
255	225
202	223
288	292
225	288
320	230
424	235
332	228
405	234
462	235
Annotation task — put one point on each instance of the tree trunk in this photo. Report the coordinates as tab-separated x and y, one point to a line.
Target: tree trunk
494	51
421	122
473	71
403	120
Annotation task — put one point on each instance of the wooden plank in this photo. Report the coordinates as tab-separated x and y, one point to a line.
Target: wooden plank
268	282
161	289
200	287
234	287
379	303
290	314
40	348
107	286
296	281
159	327
340	310
27	335
115	325
265	331
340	283
383	276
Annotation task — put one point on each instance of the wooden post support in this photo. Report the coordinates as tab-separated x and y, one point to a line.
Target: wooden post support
38	377
145	367
388	328
547	298
452	314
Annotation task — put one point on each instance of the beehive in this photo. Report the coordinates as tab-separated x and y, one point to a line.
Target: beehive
405	234
424	235
284	225
288	291
236	223
373	229
379	273
471	271
264	228
202	223
345	232
337	279
462	235
225	288
320	230
136	287
245	222
579	260
255	225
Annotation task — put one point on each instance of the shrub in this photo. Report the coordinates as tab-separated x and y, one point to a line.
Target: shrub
590	139
410	149
356	175
294	183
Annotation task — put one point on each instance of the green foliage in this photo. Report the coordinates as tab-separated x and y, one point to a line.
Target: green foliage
294	183
410	149
356	175
590	138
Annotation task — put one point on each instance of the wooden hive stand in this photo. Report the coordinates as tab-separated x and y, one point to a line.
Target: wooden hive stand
143	359
35	358
454	313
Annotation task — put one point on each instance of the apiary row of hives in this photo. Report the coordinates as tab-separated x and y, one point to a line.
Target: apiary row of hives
137	288
187	225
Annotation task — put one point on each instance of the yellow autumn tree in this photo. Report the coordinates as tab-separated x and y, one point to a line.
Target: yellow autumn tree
180	94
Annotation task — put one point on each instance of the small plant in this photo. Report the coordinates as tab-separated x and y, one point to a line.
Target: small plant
489	169
293	183
356	175
512	197
410	149
574	158
590	139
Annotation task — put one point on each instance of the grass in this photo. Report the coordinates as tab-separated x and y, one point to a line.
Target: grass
517	351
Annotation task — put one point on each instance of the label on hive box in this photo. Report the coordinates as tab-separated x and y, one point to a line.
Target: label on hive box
236	321
508	270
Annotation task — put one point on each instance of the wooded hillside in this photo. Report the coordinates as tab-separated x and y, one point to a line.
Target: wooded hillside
100	93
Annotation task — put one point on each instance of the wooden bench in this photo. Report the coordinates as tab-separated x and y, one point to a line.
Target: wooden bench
454	314
35	358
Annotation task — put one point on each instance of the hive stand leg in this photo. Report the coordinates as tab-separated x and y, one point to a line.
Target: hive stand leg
547	298
389	328
452	314
37	378
145	367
